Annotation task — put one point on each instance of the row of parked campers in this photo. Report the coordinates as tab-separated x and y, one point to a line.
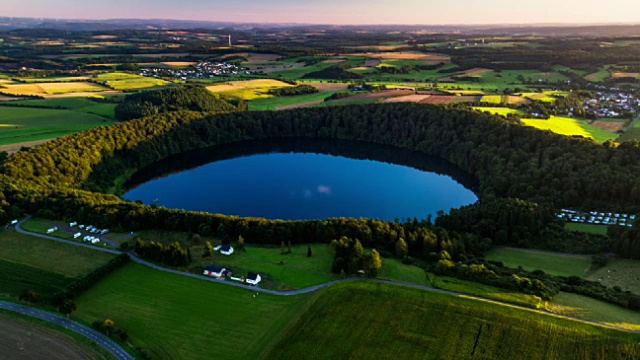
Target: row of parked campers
90	228
91	239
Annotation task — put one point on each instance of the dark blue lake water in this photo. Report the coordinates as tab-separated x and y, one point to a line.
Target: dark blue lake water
296	185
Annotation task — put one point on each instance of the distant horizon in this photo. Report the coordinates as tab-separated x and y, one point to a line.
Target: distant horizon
336	12
553	24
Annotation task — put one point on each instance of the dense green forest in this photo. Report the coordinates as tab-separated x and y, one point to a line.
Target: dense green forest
189	97
509	160
64	179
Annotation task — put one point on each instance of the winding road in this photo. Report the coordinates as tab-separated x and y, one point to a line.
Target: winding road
62	321
117	351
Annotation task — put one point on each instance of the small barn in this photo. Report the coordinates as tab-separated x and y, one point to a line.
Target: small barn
224	249
253	279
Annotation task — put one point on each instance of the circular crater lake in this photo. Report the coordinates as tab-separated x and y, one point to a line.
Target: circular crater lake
296	179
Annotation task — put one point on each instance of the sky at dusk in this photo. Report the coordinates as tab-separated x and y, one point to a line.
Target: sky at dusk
336	11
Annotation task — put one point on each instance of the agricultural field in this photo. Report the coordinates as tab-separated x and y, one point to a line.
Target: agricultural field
18	278
587	228
546	96
77	104
503	111
551	263
26	338
21	125
632	133
284	102
136	84
598	76
570	126
586	308
44	266
49	255
127	82
619	272
423	325
557	124
51	88
248	90
174	317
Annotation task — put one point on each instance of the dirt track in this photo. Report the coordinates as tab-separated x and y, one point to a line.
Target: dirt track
15	147
24	340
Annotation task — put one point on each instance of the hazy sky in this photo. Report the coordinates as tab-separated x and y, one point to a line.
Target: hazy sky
336	11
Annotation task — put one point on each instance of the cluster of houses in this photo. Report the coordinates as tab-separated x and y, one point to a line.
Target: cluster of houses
597	218
223	273
220	272
612	104
203	70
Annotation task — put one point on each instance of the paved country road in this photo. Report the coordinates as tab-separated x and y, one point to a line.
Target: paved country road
87	332
138	260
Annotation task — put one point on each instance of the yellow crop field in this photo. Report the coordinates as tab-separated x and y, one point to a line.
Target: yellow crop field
492	99
570	126
22	89
116	76
136	83
70	87
248	90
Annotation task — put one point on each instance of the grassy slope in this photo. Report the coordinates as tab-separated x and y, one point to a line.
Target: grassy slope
49	255
31	124
176	317
594	310
17	278
561	265
365	321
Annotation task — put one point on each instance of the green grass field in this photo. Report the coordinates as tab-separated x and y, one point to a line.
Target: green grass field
631	134
570	126
126	82
30	124
586	308
177	317
284	272
17	278
31	263
249	89
41	226
587	228
78	104
276	102
554	264
49	255
379	321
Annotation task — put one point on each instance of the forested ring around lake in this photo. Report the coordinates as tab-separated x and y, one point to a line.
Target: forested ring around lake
66	178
